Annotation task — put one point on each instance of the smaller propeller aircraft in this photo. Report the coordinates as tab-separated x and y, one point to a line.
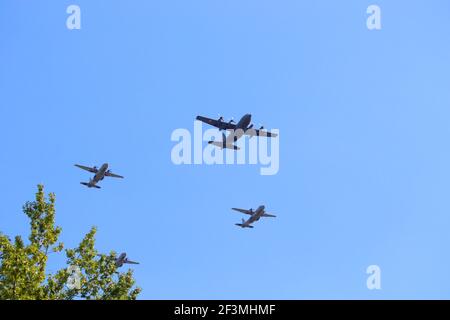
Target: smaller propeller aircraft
100	174
254	216
122	259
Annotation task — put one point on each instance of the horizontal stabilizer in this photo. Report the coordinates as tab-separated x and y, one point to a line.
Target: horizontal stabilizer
90	186
242	226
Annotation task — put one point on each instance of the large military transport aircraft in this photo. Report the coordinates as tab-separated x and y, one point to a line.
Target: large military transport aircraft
243	127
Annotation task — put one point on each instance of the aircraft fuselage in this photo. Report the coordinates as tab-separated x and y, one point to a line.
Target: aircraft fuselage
254	217
100	175
241	128
121	260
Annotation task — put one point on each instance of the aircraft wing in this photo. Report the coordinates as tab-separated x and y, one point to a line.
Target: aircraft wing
131	262
243	211
112	175
93	170
216	123
260	133
268	215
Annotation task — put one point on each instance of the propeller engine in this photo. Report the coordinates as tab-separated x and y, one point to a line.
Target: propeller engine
220	120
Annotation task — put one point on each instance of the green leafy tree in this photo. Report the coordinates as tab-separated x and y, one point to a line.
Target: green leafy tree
88	275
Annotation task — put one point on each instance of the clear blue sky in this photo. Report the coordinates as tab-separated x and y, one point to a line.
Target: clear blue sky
365	140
